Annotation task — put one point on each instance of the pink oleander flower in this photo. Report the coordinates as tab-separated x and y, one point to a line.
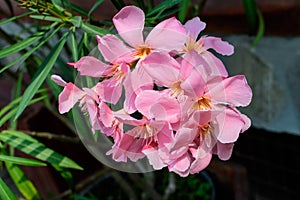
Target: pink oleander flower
179	107
159	111
100	114
194	27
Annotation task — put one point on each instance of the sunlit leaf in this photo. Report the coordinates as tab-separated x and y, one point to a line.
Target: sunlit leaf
94	30
39	150
5	192
24	185
21	161
41	75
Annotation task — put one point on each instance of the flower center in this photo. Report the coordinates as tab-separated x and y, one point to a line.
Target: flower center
194	45
176	90
203	103
142	51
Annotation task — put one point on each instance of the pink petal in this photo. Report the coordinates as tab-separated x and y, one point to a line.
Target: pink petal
129	22
91	66
113	49
58	80
69	97
194	85
110	90
181	165
158	106
183	137
194	27
224	151
234	91
162	68
200	164
106	115
153	157
230	125
168	35
215	66
222	47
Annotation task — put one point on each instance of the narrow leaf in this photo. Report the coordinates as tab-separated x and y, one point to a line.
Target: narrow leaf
162	6
5	192
14	18
24	185
32	50
183	10
21	161
251	15
94	30
74	47
38	150
261	28
43	72
46	18
21	45
95	6
20	134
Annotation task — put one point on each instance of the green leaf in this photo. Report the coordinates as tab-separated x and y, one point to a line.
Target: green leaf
183	10
95	6
261	28
41	75
251	15
119	4
46	18
76	21
21	161
24	185
20	134
32	50
162	6
74	47
66	174
21	45
94	30
14	18
38	150
5	192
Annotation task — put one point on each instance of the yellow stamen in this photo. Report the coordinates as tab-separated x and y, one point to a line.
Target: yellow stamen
142	51
203	103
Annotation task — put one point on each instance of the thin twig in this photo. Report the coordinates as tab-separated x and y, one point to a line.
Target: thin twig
52	136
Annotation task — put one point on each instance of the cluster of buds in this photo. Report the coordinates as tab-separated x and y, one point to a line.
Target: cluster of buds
179	104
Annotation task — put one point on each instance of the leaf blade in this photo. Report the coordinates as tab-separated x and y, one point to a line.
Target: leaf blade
21	161
45	67
39	150
5	192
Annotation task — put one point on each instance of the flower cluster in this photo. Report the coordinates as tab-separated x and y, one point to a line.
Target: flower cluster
179	102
